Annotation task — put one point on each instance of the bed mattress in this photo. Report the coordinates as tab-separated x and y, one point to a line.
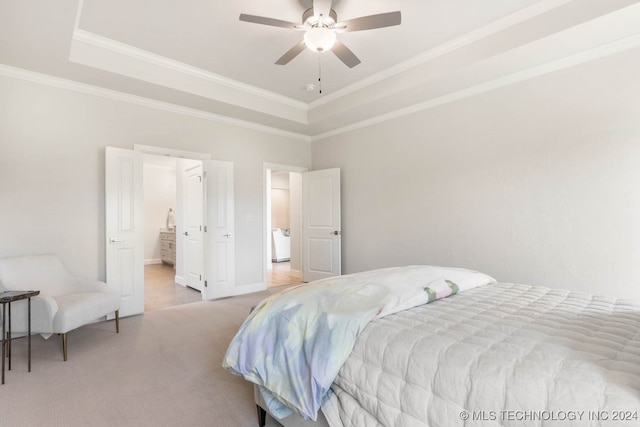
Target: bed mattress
496	355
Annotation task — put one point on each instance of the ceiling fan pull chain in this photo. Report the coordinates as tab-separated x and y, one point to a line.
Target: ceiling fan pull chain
320	73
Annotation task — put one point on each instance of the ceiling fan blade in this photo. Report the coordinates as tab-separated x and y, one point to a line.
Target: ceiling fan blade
345	55
371	22
321	7
267	21
291	53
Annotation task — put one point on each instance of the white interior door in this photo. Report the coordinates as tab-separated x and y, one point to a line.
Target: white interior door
193	227
220	239
322	241
123	225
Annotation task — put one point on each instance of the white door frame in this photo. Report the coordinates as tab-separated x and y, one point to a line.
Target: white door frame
161	151
266	215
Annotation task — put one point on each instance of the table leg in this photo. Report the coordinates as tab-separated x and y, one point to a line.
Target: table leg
4	339
29	333
9	339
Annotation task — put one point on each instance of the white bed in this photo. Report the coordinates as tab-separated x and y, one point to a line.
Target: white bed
495	355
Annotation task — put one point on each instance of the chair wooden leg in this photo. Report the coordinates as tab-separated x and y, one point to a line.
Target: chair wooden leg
64	346
117	321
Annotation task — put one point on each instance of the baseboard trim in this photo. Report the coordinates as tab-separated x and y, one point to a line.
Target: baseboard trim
152	261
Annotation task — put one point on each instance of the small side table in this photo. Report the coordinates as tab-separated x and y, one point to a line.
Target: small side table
6	298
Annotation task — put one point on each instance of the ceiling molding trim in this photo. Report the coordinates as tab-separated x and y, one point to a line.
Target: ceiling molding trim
550	67
48	80
162	61
445	48
76	22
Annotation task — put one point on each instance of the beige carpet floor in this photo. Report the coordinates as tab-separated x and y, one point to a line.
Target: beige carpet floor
162	369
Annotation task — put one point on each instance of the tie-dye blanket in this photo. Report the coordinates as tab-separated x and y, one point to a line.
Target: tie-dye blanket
294	343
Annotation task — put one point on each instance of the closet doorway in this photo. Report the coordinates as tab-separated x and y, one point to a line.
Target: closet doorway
163	286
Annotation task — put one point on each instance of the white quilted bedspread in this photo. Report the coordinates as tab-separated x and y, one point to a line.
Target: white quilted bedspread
498	355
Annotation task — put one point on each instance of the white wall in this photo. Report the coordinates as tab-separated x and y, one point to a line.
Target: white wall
280	200
52	144
534	183
159	196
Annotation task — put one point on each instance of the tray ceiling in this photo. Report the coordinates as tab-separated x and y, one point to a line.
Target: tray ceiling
196	57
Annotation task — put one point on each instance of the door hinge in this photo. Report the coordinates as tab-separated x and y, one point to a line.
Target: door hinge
200	178
205	228
201	277
200	228
205	283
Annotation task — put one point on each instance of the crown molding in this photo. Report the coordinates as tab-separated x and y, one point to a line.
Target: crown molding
444	48
162	61
527	74
48	80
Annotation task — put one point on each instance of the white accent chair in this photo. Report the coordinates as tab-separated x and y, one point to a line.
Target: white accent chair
280	245
65	302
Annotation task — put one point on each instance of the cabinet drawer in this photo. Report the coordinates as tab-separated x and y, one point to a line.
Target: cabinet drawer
171	237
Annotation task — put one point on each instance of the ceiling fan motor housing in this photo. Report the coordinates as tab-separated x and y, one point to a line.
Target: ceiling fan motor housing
309	19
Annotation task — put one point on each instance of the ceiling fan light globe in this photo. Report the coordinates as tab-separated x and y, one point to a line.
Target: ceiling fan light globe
319	39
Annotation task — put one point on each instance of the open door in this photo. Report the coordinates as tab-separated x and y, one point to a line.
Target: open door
123	224
193	227
322	241
219	235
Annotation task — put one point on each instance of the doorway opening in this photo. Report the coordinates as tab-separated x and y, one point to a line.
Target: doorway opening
163	191
283	217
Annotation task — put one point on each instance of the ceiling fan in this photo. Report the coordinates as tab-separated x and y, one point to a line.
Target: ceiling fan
320	26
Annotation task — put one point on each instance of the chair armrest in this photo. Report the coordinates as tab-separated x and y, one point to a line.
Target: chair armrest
43	310
45	303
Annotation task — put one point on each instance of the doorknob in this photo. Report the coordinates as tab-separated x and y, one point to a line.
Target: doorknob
186	233
227	235
336	232
114	240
